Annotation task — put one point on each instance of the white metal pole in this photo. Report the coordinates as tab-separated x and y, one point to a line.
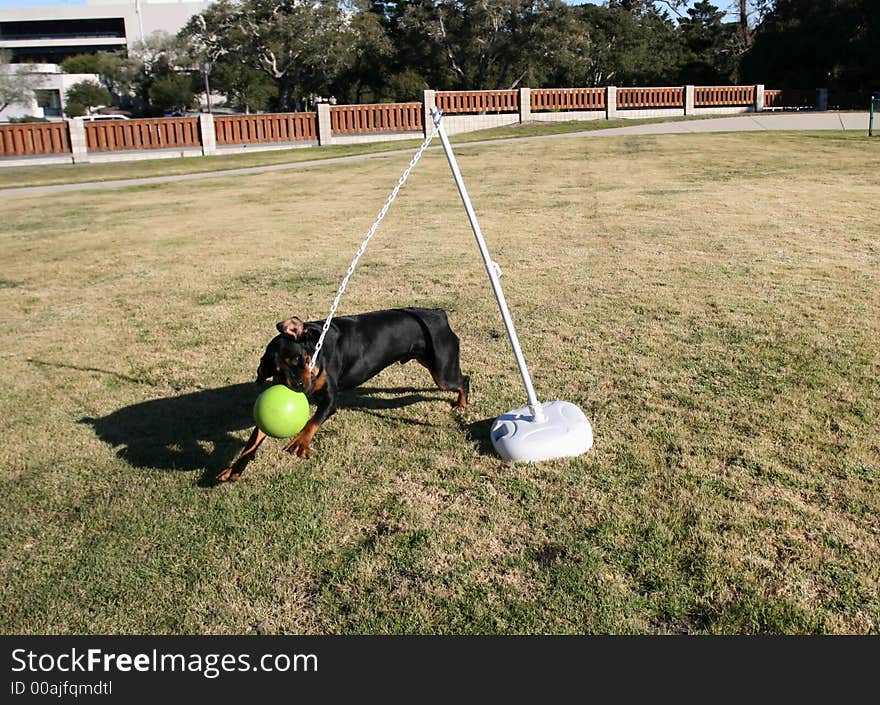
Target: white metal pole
534	405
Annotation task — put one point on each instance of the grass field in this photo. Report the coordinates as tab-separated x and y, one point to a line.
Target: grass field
711	302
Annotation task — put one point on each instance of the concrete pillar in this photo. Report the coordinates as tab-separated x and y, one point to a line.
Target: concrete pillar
759	98
525	104
688	100
610	102
429	100
822	99
325	133
79	149
209	137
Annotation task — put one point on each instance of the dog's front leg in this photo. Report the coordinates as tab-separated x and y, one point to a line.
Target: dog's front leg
301	445
231	474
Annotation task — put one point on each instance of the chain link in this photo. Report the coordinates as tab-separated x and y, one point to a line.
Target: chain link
363	247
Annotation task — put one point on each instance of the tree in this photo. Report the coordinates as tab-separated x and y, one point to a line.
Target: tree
82	63
171	92
365	75
302	46
474	44
818	44
15	85
748	14
405	85
245	87
117	72
631	48
710	52
166	80
83	96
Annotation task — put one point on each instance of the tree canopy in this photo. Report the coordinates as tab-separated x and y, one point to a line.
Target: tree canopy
85	95
284	54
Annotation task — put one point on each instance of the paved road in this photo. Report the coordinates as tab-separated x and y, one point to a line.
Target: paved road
752	122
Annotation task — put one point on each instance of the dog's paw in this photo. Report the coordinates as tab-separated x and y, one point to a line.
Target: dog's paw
300	447
227	475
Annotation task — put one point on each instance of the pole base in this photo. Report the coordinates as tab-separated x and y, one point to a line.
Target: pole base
565	433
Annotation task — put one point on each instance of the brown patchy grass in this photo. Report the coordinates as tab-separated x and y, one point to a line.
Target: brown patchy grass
709	300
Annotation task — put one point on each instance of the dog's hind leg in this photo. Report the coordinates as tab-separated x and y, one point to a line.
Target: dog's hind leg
232	473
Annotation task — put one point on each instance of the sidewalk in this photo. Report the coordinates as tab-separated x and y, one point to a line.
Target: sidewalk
750	122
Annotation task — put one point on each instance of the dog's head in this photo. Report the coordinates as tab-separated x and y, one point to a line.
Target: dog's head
287	357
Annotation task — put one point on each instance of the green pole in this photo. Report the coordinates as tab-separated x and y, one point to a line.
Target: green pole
871	122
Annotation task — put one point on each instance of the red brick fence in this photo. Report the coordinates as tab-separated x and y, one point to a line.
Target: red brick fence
376	117
265	128
151	133
29	138
80	141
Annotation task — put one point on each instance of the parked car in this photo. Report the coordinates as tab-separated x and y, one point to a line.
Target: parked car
95	118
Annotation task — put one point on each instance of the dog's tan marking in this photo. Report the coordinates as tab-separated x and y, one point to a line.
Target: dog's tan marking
232	473
301	446
310	380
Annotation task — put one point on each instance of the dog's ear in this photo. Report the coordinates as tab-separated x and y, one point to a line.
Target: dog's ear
291	328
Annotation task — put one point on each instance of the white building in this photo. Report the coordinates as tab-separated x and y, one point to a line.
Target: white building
49	86
42	37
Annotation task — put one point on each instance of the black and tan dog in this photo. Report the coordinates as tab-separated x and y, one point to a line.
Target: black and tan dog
355	349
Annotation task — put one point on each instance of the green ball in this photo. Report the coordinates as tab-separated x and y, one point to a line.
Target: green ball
281	412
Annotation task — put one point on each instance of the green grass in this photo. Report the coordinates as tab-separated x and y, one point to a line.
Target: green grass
21	176
710	301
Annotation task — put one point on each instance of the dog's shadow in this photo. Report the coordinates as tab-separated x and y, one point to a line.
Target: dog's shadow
200	430
193	431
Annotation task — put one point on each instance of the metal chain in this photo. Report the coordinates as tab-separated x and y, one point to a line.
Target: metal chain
363	247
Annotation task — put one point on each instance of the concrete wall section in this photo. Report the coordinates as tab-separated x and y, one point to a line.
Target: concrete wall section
689	92
569	116
324	124
136	155
47	160
636	113
429	102
376	137
454	124
731	110
207	134
611	102
79	149
525	104
268	147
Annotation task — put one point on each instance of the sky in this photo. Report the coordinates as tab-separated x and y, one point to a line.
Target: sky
11	4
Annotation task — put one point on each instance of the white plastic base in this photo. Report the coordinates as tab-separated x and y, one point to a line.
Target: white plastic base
565	433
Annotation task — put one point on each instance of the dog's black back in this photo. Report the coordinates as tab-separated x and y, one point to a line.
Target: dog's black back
359	347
